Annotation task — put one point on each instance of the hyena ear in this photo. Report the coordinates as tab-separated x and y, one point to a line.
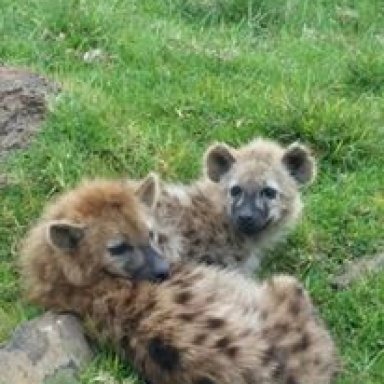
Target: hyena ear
148	190
218	161
64	235
300	164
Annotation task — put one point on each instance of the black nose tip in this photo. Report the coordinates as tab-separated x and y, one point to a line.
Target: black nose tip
246	219
161	276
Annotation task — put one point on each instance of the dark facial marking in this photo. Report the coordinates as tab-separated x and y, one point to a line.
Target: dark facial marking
249	218
165	355
119	248
235	191
183	297
269	193
215	322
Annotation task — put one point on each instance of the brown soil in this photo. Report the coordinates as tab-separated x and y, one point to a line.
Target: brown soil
23	105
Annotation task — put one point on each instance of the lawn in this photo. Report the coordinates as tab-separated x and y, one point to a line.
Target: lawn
173	76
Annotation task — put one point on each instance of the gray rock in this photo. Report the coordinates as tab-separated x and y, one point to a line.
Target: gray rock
357	270
47	350
23	104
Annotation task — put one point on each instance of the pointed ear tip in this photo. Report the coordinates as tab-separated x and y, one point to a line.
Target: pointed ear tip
217	147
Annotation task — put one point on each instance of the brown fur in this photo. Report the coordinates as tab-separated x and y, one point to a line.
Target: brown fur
195	220
201	326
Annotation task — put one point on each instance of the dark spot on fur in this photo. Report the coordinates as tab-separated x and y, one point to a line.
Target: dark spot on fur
207	259
215	322
196	242
150	306
232	351
199	339
183	297
278	369
269	355
204	380
294	307
291	380
162	239
187	316
165	355
273	356
189	234
302	344
223	342
282	328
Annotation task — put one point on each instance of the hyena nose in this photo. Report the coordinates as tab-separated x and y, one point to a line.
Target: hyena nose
162	276
161	269
246	219
162	272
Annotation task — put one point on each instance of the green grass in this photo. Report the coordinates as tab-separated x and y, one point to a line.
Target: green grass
177	75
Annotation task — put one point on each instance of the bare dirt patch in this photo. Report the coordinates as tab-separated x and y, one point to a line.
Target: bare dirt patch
23	105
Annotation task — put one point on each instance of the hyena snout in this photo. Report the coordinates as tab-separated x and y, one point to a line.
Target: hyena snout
156	268
251	221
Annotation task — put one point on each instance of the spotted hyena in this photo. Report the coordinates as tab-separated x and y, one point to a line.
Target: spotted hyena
92	253
247	201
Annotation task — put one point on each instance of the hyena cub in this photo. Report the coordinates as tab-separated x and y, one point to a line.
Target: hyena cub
248	199
92	254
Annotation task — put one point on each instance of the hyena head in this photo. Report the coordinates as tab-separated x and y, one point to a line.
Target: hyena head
101	227
261	183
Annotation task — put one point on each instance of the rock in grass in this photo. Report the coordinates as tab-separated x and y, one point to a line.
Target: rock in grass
47	350
354	271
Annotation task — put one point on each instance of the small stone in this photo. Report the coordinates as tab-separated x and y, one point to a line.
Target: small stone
93	55
47	350
356	270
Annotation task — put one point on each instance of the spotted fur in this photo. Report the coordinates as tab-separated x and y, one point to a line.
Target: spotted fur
203	325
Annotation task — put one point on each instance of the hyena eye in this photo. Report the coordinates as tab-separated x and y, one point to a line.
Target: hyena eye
269	192
117	249
235	191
